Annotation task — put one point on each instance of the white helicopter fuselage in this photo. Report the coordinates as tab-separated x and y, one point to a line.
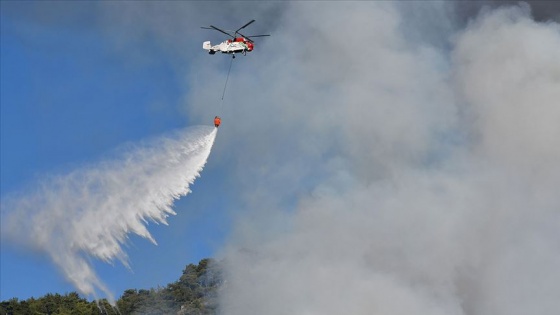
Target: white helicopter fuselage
226	47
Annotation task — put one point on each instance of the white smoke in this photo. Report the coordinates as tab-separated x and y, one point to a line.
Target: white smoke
392	176
90	211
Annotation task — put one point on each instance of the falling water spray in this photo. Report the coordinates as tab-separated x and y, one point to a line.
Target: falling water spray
90	211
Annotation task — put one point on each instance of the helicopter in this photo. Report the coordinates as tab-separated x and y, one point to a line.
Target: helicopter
238	44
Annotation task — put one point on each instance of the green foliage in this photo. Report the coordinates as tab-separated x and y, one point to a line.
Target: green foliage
195	293
56	304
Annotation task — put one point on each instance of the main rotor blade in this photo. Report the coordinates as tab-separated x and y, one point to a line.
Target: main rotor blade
249	37
209	28
244	26
246	37
219	30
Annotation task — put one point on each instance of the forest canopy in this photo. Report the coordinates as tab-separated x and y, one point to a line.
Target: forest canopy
195	293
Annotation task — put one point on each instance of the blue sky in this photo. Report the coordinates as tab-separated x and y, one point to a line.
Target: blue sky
68	97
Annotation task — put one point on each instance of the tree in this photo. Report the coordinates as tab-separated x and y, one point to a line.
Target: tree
194	293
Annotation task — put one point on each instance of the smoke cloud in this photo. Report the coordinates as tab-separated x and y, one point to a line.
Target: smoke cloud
395	171
92	210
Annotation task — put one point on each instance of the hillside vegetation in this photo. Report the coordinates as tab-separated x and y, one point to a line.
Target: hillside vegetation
195	293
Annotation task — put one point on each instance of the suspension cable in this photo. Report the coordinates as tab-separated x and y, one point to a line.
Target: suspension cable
227	78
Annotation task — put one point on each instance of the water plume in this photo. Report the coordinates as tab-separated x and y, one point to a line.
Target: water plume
91	210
